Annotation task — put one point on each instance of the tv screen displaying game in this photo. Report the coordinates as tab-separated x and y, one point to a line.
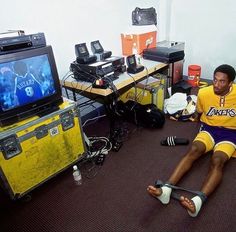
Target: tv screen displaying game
29	84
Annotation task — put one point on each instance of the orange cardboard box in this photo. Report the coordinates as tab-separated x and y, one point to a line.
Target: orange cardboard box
142	40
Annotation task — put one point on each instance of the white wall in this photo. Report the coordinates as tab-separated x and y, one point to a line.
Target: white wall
68	22
207	27
208	30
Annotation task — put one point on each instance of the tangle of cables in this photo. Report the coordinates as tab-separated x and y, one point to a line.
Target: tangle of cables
98	148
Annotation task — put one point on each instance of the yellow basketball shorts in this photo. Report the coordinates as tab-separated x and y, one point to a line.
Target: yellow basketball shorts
217	141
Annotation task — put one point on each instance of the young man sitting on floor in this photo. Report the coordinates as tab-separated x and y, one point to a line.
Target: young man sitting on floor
216	105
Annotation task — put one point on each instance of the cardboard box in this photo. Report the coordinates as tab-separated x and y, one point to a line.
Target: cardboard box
36	149
141	36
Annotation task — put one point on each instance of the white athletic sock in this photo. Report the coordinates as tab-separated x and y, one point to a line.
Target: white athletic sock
165	196
198	204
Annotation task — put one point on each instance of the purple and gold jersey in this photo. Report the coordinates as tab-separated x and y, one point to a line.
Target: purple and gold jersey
217	110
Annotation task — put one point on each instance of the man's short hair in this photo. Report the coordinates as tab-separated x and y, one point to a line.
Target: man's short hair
228	70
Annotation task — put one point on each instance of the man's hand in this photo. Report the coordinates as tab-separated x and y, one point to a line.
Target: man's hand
195	117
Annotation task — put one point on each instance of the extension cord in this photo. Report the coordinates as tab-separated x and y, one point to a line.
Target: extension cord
87	141
96	153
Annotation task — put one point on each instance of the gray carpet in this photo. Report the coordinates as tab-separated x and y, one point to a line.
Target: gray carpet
113	197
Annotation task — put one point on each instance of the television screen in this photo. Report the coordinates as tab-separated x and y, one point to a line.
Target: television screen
29	83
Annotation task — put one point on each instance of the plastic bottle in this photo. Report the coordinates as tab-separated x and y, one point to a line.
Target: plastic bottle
77	175
134	49
135	52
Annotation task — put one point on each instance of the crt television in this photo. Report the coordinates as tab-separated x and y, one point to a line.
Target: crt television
29	84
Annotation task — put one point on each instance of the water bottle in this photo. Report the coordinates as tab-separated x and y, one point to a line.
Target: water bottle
77	175
135	49
135	52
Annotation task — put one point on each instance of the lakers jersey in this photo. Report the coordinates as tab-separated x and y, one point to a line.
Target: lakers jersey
217	110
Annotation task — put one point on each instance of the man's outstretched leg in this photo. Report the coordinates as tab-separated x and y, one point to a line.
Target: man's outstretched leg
163	193
213	179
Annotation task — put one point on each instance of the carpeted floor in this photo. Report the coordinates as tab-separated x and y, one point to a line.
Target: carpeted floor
113	197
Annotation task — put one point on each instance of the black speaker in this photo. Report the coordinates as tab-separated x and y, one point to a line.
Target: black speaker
86	60
82	54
